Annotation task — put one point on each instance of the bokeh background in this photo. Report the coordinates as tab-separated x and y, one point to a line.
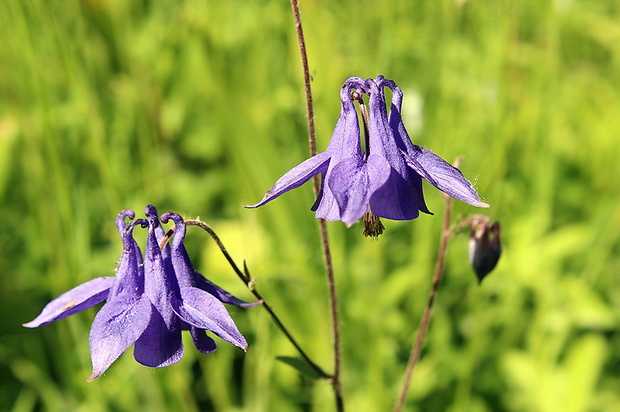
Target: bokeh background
197	107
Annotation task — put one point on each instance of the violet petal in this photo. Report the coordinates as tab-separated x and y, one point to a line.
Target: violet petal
353	183
117	326
159	345
203	343
295	177
73	301
204	311
443	176
222	295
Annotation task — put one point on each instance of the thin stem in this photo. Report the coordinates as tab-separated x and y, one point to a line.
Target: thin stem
416	349
249	282
333	309
308	90
329	268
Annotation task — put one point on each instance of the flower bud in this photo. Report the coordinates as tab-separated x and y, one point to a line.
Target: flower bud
484	246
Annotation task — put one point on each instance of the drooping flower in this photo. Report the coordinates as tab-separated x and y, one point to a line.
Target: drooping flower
386	179
149	302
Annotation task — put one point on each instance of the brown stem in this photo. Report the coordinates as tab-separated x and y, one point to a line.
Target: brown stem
329	269
308	90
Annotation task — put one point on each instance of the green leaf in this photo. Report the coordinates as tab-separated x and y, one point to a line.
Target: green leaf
301	366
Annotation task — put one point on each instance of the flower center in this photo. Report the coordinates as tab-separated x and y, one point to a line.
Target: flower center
366	139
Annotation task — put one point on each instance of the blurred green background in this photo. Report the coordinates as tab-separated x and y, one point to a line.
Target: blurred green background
197	107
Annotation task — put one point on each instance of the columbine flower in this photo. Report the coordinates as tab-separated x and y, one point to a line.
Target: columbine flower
385	180
149	303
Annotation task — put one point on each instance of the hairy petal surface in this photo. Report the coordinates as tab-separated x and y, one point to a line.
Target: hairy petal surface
73	301
222	295
159	345
443	176
202	310
354	182
203	343
296	177
116	327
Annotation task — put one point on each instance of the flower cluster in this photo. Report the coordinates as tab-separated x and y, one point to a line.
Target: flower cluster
386	179
149	301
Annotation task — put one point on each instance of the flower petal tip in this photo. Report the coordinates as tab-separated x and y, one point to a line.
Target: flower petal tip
93	377
348	223
243	304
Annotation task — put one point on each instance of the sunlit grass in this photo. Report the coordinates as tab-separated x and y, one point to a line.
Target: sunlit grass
197	107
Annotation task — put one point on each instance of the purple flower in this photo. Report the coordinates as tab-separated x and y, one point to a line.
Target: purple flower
149	302
386	179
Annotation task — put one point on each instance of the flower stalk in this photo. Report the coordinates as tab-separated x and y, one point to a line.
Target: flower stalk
329	268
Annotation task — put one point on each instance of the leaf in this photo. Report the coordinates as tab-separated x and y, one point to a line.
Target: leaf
301	366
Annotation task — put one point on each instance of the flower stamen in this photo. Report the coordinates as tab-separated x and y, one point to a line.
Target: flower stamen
372	224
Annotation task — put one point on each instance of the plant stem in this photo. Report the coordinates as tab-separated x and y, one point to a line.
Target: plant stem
329	268
247	279
333	308
416	349
308	90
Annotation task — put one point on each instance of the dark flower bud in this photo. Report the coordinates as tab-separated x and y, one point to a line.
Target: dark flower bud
484	246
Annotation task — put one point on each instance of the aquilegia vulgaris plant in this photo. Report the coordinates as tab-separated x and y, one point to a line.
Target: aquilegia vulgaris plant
384	180
149	301
370	170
